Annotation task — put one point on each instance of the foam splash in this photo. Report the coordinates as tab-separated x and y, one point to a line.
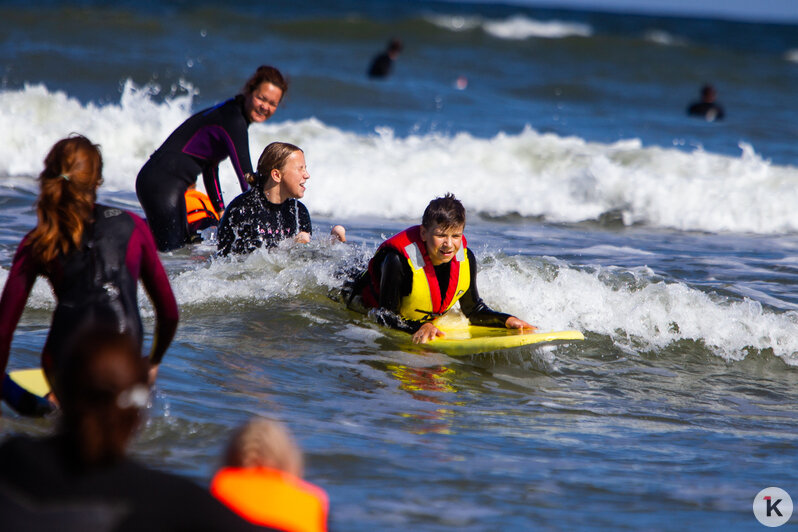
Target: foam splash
128	132
516	27
560	179
633	307
664	38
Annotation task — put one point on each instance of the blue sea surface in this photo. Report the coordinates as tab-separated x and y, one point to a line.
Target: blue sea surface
594	202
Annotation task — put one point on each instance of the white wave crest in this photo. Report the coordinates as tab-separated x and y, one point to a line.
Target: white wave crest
128	132
516	27
521	27
664	38
561	179
639	315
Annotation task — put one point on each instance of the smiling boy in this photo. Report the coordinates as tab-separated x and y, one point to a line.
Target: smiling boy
421	272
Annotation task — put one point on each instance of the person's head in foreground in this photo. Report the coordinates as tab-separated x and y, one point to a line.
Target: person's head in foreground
442	227
261	480
102	387
264	443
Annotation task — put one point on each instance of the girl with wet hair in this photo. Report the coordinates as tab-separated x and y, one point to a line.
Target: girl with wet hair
270	211
93	257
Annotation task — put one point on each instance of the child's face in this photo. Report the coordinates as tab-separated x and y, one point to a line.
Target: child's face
294	175
443	243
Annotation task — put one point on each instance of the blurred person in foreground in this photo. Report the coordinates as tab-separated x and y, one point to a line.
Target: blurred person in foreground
80	478
261	480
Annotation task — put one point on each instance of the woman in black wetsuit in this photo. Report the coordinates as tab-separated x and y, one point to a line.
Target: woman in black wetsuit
93	256
197	147
270	211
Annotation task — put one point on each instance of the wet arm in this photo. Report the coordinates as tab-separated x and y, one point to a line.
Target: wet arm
210	177
156	283
15	294
393	277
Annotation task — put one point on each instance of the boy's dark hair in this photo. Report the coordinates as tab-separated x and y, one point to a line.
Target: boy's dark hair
446	211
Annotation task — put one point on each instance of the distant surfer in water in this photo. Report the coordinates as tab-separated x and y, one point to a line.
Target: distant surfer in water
707	108
270	211
382	64
420	273
197	147
92	255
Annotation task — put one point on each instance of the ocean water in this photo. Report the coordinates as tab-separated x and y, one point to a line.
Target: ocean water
593	203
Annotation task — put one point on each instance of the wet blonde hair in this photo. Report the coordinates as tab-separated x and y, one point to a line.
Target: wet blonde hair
68	189
274	156
264	443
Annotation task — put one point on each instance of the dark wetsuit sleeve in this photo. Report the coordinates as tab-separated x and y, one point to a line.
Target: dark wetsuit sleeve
395	283
210	177
19	284
477	312
304	219
142	251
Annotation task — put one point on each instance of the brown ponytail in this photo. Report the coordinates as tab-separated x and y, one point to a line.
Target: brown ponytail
72	172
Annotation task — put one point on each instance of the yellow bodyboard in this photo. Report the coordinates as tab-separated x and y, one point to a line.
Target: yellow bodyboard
464	339
32	380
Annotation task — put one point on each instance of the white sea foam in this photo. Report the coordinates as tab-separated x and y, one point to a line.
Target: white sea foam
515	27
562	179
664	38
791	55
633	307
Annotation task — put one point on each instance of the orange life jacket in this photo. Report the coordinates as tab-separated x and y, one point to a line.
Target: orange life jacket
269	497
198	206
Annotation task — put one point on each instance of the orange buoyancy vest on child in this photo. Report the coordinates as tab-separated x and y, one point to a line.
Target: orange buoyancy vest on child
424	301
199	208
273	498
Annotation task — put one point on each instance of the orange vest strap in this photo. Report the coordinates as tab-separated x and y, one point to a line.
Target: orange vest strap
273	498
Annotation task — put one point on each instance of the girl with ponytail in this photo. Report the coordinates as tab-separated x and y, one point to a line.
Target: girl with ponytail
92	255
270	211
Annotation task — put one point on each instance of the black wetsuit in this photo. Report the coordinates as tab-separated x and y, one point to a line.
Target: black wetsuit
196	147
251	221
710	111
381	66
96	284
396	282
43	486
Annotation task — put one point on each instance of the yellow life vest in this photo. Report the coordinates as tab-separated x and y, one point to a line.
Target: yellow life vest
424	303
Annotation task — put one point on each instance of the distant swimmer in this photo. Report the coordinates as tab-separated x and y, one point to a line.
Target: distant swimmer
270	211
382	64
418	274
707	108
197	147
93	256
